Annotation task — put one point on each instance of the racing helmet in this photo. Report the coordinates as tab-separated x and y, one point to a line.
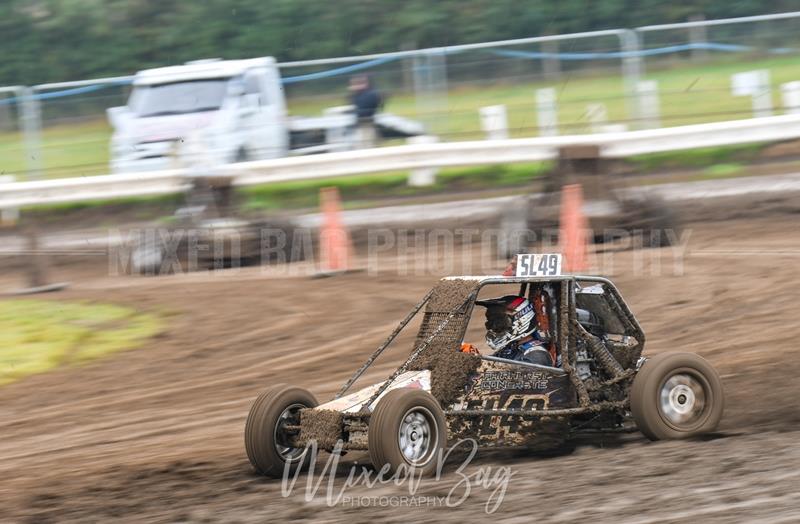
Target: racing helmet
508	318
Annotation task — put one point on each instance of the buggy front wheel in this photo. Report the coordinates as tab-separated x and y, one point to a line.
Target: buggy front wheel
407	429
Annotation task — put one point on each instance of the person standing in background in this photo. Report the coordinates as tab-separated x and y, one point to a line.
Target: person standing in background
366	101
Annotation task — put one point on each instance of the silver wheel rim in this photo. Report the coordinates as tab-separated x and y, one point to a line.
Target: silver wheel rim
417	436
288	415
682	400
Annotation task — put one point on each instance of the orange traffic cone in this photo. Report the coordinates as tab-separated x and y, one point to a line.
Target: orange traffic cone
572	233
511	268
334	238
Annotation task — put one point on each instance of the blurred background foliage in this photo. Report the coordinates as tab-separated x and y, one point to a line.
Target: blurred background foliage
53	40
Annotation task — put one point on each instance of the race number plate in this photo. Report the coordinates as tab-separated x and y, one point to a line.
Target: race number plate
538	265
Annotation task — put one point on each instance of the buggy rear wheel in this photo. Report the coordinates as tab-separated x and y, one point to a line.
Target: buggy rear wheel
407	428
266	437
677	395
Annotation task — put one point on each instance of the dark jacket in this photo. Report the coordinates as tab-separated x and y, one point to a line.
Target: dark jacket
367	102
532	351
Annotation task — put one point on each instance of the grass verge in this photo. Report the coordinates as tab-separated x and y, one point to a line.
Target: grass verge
357	189
39	335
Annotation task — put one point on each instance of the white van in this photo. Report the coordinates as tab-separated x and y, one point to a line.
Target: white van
212	112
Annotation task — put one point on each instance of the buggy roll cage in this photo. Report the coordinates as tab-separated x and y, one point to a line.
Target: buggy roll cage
566	318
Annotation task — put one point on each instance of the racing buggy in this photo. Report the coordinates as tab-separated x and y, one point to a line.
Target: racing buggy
448	390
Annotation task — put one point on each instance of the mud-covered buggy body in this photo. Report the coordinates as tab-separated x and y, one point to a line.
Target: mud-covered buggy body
442	394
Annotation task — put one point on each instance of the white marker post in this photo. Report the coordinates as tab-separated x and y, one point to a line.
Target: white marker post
547	111
8	216
425	176
650	107
790	95
494	122
754	84
597	114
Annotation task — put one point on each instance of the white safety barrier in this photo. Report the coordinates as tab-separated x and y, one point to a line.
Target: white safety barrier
101	187
454	154
406	158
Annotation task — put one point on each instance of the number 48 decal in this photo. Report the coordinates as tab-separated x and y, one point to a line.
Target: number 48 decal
538	265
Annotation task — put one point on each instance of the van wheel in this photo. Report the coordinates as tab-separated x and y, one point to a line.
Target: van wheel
677	395
407	428
241	155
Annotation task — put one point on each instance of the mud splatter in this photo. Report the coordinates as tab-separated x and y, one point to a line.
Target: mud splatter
450	294
450	368
322	425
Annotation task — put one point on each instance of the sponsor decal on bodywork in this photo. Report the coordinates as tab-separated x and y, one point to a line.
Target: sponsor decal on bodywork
509	386
516	380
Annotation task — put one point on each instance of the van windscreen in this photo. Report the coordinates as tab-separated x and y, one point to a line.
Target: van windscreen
177	98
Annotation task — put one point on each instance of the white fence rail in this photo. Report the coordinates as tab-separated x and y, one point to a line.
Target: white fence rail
404	158
65	190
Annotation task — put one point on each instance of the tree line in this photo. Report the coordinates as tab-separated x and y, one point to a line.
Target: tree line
54	40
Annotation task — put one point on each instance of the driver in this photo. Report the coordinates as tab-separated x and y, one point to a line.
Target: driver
512	332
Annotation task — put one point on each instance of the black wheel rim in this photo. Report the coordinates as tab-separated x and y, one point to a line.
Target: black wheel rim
289	416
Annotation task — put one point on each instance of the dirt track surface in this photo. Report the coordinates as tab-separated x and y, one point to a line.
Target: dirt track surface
156	433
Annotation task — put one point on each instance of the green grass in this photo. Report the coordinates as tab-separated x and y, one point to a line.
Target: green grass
145	204
697	158
78	149
359	188
723	171
689	93
39	335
